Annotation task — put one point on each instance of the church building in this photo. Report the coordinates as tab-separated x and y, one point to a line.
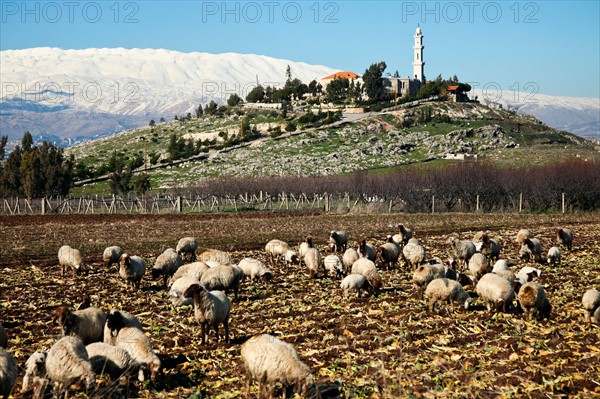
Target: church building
409	85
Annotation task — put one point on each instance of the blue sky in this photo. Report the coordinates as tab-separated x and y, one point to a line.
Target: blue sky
550	46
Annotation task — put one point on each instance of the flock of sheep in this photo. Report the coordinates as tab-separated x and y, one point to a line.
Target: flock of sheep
114	344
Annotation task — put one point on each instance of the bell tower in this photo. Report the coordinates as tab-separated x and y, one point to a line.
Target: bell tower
418	63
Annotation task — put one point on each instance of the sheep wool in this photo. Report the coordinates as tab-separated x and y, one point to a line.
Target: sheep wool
388	253
35	367
522	235
531	250
113	361
533	301
8	373
111	255
425	274
186	248
554	256
490	248
354	282
403	236
139	347
496	292
591	303
115	321
67	362
87	324
338	240
478	266
224	278
70	258
446	290
463	250
276	249
313	261
255	269
216	255
367	250
350	256
177	289
166	265
414	255
304	246
210	309
501	264
333	265
528	273
132	269
565	237
269	361
195	269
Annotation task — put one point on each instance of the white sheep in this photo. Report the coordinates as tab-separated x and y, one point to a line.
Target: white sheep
388	253
350	256
255	269
338	240
179	287
366	250
528	273
291	258
224	278
313	261
279	249
112	360
115	321
132	269
478	266
139	347
366	267
414	254
333	265
35	371
446	290
489	247
531	250
224	258
533	301
111	255
166	265
522	235
404	235
210	309
354	282
67	361
87	324
591	304
463	250
186	248
554	256
8	373
424	274
565	237
70	258
304	246
269	361
501	264
496	292
195	269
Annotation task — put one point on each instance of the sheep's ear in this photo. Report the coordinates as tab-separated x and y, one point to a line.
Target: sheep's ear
192	289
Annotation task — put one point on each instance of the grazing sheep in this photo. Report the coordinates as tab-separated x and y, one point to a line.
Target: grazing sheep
565	237
501	264
166	265
333	265
210	309
313	261
87	324
531	249
132	269
304	246
533	301
3	337
291	258
554	256
178	287
255	270
354	282
67	362
366	267
528	273
224	278
139	347
8	373
522	235
496	292
280	249
463	250
186	248
388	253
596	317
216	255
350	256
70	257
414	255
366	250
195	269
404	235
591	304
114	361
446	290
268	360
111	255
35	370
425	274
115	321
490	248
338	241
478	266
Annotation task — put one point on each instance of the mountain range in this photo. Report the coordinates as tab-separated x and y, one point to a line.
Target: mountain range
71	96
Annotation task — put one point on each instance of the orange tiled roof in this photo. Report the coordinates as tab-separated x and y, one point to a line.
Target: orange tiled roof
452	88
342	75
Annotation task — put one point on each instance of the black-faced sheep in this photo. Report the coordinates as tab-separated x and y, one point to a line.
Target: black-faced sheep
554	256
388	253
531	250
67	361
115	321
132	269
496	292
528	273
354	282
565	237
446	290
8	373
166	265
186	248
403	236
533	301
489	247
70	258
87	324
366	250
111	255
333	265
463	250
210	309
591	304
269	361
338	241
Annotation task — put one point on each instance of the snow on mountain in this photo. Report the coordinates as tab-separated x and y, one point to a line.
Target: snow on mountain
131	84
578	115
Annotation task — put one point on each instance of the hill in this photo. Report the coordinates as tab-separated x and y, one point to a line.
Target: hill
432	133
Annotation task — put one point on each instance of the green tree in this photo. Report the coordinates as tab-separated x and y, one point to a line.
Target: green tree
290	127
11	176
234	100
141	183
3	141
27	142
32	178
256	95
372	82
152	123
337	90
288	74
199	111
210	108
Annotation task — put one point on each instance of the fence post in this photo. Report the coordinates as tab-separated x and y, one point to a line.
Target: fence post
433	204
477	204
390	208
178	204
563	202
520	202
326	202
43	205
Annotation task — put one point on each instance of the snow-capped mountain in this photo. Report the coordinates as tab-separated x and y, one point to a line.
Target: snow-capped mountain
80	94
578	115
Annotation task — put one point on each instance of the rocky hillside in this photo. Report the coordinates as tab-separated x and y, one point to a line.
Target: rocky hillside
440	132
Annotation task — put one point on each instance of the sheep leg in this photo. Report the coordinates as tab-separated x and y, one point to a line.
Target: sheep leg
226	326
165	280
203	333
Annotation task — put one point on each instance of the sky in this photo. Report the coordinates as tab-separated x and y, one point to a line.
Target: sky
546	47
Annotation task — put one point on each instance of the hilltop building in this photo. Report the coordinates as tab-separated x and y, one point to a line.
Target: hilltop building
340	75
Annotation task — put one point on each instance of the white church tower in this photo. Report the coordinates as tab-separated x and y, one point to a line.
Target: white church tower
418	63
